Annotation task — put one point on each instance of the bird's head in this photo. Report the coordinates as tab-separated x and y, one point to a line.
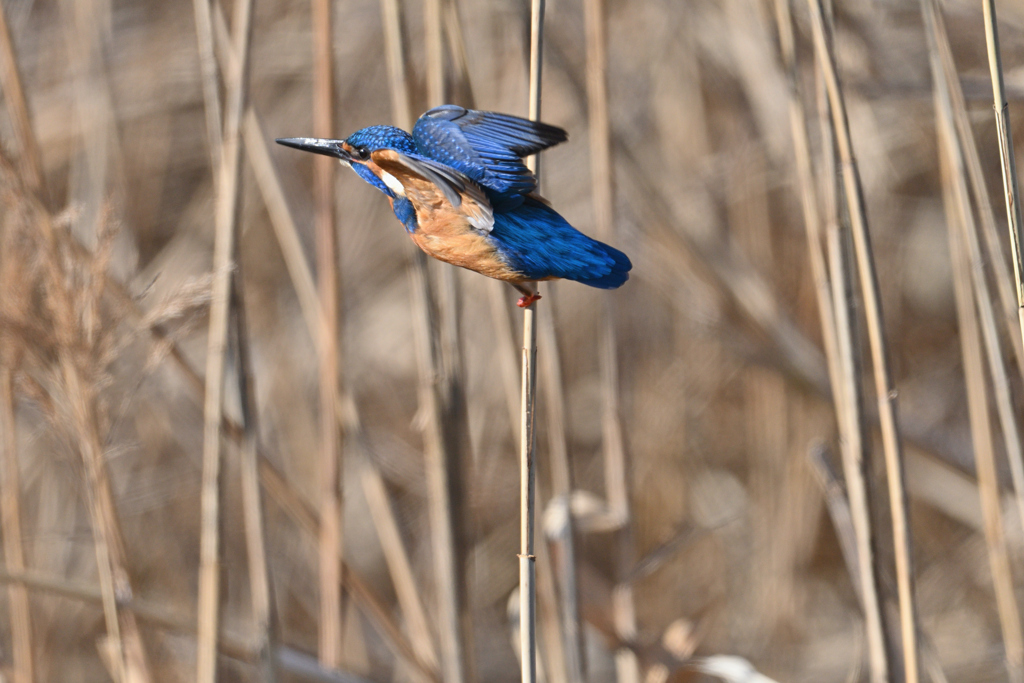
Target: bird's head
355	150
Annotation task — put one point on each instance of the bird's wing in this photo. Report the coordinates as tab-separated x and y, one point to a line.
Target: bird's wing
422	178
486	146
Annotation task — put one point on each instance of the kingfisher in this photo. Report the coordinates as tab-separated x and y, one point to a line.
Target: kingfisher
459	186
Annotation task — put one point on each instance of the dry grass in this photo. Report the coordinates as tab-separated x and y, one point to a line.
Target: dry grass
700	528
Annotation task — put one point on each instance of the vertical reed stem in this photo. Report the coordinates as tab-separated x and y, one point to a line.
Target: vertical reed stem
527	438
616	468
1009	164
438	348
527	496
958	211
331	542
996	257
561	483
228	197
10	524
10	82
845	385
208	73
885	389
252	504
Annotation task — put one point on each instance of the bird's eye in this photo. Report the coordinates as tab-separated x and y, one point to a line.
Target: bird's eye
363	152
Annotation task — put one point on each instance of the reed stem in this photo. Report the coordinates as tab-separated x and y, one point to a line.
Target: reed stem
10	523
527	438
1009	164
228	199
331	545
884	387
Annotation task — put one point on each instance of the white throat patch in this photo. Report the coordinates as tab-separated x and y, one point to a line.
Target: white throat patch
393	183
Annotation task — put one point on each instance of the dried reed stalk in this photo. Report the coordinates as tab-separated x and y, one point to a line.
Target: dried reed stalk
527	491
616	468
126	655
267	179
290	661
939	42
842	522
995	251
31	164
252	504
886	391
256	546
302	280
958	212
276	486
331	544
527	436
228	197
394	57
399	566
845	387
1009	164
562	486
976	319
208	78
439	360
10	523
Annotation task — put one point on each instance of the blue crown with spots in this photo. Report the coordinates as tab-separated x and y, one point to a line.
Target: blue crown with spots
383	137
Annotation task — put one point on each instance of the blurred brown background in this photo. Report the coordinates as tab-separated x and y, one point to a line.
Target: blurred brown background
722	386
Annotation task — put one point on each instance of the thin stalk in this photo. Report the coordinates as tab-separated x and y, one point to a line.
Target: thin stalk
527	436
10	523
440	358
292	503
283	221
842	522
394	57
1009	164
302	280
955	107
996	254
290	661
128	653
228	198
208	76
562	486
331	543
252	504
616	467
527	495
958	211
269	183
845	387
17	106
399	566
885	389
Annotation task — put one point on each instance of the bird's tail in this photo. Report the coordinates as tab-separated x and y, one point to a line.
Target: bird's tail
619	271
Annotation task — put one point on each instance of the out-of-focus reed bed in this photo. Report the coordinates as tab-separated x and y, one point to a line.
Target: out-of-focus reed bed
686	425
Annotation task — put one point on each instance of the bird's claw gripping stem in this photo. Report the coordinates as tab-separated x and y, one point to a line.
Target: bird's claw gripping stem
527	301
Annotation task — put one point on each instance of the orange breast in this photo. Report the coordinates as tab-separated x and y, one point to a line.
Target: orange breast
447	236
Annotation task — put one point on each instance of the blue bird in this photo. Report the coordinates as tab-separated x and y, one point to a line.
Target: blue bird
459	186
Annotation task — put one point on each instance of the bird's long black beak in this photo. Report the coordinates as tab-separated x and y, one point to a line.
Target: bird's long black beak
330	148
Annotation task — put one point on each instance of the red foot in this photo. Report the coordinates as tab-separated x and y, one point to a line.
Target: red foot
527	301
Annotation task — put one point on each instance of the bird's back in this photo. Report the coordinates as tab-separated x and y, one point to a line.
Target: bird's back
537	242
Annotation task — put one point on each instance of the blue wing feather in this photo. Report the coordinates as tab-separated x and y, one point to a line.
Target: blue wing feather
486	146
540	244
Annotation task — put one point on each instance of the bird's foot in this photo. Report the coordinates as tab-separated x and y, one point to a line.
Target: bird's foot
527	301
